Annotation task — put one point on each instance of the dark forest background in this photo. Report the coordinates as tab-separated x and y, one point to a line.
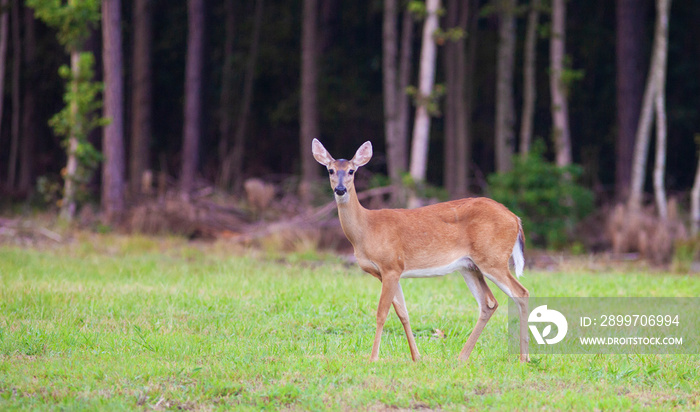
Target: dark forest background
350	96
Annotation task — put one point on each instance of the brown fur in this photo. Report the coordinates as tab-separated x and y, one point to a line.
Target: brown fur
390	242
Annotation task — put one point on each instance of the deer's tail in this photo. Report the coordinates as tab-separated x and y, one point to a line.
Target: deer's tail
518	249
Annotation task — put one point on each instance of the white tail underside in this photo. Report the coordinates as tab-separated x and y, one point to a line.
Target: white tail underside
518	258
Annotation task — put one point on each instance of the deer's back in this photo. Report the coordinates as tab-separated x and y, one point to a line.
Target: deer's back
436	235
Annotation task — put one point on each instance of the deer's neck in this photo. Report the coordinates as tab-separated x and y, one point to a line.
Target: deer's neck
352	217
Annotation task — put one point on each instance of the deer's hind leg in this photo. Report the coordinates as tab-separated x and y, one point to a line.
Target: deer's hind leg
501	276
487	306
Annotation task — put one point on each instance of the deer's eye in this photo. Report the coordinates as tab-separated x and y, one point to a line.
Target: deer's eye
331	171
350	172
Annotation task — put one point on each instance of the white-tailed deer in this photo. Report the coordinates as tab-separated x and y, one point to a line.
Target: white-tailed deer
475	236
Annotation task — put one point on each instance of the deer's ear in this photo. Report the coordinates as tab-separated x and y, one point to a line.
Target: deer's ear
363	154
320	153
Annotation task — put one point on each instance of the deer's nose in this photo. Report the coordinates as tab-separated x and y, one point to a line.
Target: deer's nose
340	190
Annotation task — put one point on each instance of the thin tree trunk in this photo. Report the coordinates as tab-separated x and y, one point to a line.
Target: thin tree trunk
26	168
141	98
641	147
462	159
660	160
695	203
193	95
16	105
451	97
456	161
69	188
660	106
4	36
469	89
396	71
559	90
421	128
505	111
529	78
113	166
400	156
629	81
656	69
248	83
227	95
309	98
403	117
390	87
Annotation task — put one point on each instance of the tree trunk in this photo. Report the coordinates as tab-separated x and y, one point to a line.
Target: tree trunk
462	158
469	90
558	89
193	94
26	168
4	35
641	147
16	105
451	95
660	158
405	57
656	76
660	106
396	70
141	105
69	187
248	82
113	166
226	111
421	127
309	99
505	111
695	203
397	149
629	87
403	118
456	161
391	91
529	78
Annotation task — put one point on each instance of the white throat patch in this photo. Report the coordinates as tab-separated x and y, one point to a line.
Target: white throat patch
342	199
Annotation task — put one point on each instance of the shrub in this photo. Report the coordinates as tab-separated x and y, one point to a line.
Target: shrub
544	195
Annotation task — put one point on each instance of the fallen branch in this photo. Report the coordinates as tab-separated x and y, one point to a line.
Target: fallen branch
17	227
319	212
50	234
316	215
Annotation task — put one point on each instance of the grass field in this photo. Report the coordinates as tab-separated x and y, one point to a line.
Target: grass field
128	323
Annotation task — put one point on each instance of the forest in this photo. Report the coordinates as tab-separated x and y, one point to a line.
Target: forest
459	98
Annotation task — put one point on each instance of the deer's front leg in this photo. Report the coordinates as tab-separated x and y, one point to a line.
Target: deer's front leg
389	286
402	313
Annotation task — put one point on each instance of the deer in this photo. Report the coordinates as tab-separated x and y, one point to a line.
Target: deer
474	236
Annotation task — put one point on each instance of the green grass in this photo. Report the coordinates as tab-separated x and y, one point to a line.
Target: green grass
116	323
